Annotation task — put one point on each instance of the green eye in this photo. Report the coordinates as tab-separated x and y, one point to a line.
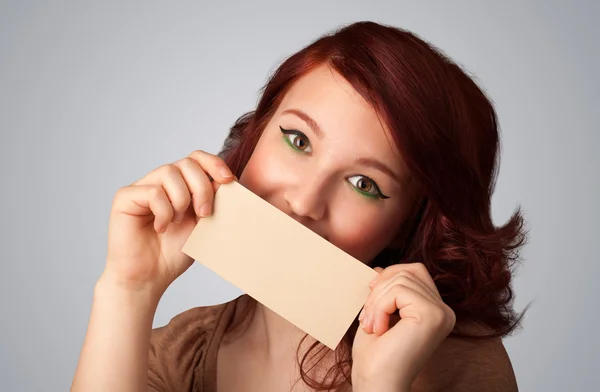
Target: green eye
296	140
367	187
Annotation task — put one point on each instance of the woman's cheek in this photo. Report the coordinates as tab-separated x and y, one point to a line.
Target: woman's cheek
363	236
265	171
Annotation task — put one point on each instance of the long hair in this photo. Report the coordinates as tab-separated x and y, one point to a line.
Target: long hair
446	130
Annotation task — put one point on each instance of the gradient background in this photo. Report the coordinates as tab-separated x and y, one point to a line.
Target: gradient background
94	96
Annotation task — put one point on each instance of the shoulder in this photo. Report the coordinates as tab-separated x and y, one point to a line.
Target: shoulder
468	365
178	349
195	321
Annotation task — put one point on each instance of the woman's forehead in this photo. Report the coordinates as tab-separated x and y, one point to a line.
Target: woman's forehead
341	114
327	93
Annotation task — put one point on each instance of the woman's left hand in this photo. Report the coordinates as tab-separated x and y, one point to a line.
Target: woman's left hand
389	359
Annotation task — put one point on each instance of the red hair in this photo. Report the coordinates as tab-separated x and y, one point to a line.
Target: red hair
446	130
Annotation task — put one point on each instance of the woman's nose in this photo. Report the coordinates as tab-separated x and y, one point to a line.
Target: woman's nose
307	201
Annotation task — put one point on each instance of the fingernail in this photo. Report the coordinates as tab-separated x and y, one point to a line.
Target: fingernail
372	282
225	172
361	315
205	210
365	322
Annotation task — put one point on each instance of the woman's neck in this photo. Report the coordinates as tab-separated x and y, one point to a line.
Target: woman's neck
276	337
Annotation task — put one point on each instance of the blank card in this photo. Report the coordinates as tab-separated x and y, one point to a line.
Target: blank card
281	263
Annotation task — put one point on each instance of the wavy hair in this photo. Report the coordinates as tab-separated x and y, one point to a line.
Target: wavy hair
446	130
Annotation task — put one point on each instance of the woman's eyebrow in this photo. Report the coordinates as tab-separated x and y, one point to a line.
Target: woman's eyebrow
312	124
375	164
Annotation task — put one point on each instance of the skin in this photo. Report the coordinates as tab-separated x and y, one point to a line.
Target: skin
313	177
317	186
326	179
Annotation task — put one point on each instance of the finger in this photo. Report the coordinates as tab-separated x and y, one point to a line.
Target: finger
217	185
379	270
379	322
176	189
407	300
149	200
406	278
430	289
214	166
421	272
198	184
383	284
417	269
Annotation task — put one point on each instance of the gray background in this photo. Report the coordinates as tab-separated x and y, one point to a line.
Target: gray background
93	96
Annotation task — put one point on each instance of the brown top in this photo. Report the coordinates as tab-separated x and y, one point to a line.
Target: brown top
183	358
183	353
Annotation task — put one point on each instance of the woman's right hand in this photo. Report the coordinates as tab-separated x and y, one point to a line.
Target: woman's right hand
151	219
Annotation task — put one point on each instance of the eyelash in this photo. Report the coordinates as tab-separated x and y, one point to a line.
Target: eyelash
287	132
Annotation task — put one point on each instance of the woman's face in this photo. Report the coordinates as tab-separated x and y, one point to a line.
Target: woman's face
326	161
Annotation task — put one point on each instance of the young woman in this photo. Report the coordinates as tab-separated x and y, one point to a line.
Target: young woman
374	140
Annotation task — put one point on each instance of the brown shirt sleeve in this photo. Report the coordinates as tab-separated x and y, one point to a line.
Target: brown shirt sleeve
178	350
468	366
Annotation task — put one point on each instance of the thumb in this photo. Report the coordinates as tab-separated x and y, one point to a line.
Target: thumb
216	185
